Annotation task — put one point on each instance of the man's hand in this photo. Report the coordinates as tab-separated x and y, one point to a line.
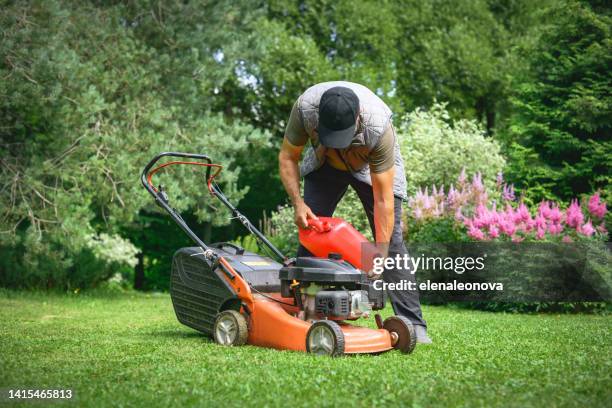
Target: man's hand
302	214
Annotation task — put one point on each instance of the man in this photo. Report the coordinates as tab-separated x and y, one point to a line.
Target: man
353	143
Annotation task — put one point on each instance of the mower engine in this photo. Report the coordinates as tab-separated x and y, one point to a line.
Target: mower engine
329	289
339	304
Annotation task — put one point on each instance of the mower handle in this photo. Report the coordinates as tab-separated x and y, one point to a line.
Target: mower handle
155	159
161	199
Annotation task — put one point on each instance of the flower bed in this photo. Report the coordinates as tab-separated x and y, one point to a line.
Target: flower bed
482	215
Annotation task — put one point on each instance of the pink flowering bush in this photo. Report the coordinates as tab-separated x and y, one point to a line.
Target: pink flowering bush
483	215
468	211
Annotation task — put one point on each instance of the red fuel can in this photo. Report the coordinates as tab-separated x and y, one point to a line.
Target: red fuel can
328	235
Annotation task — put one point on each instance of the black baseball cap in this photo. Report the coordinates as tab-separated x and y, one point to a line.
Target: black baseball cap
338	110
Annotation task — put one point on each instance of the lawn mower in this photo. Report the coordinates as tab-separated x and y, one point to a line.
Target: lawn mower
304	304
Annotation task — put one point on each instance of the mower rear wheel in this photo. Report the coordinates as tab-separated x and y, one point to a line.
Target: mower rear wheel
402	331
325	338
230	329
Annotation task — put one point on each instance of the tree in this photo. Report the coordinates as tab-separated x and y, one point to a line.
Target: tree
358	40
564	107
87	99
413	52
460	52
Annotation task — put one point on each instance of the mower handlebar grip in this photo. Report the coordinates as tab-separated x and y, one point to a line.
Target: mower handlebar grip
145	172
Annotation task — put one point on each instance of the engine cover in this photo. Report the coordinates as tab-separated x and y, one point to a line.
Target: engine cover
335	304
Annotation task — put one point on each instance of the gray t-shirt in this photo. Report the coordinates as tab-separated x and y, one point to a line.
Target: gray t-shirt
380	158
370	150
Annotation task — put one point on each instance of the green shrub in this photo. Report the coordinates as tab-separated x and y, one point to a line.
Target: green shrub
33	264
439	230
435	149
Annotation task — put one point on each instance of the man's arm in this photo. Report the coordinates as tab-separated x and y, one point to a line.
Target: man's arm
384	217
288	160
382	172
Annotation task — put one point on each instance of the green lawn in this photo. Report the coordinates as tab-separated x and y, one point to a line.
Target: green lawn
129	350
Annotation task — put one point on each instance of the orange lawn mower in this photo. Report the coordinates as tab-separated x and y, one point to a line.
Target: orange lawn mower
303	304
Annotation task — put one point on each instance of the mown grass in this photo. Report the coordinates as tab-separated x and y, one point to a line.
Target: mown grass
129	350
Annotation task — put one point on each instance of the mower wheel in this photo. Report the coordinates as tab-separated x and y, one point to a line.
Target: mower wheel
402	331
325	338
230	329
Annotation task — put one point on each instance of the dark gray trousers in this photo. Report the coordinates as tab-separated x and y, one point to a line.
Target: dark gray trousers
323	189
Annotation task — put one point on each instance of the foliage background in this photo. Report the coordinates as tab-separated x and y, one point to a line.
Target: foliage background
91	90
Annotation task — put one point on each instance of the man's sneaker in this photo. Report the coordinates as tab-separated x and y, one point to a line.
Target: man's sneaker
421	335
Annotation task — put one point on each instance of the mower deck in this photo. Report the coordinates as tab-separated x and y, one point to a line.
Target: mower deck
273	325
